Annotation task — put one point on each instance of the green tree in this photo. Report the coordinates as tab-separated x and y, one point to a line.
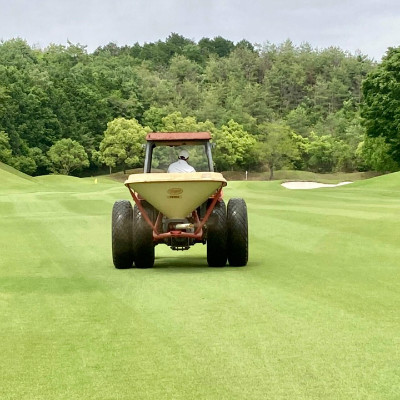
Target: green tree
327	154
66	156
5	148
122	143
18	53
373	153
381	105
153	118
234	146
182	69
64	92
175	122
277	146
285	81
41	161
299	120
24	164
21	162
218	45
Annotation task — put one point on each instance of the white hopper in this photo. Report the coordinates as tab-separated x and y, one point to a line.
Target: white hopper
176	195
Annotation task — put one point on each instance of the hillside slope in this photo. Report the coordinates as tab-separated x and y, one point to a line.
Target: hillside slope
10	178
383	182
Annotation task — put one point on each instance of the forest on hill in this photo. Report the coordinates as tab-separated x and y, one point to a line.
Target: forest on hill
63	109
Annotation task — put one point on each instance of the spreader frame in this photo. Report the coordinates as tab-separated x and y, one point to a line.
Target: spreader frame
197	235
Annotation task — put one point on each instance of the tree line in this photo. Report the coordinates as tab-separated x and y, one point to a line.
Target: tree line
63	109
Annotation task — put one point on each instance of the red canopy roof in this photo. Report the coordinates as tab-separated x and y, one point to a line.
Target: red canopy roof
179	136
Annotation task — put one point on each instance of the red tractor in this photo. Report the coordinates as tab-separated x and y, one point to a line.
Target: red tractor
178	209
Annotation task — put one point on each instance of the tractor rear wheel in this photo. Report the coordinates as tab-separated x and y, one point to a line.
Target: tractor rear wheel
122	230
237	233
143	245
217	236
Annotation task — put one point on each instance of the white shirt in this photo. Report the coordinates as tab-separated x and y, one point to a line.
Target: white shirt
180	166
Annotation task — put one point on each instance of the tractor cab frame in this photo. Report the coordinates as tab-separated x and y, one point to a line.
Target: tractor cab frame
174	139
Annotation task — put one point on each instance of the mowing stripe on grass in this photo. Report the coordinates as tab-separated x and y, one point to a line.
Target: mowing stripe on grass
314	315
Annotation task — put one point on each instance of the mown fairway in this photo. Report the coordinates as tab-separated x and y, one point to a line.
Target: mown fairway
314	315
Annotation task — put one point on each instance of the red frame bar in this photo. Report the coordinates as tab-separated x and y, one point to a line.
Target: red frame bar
142	210
198	234
217	196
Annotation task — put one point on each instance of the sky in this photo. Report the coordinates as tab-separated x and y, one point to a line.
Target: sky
366	26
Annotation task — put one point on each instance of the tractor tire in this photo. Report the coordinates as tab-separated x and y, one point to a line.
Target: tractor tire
217	236
143	245
122	232
238	247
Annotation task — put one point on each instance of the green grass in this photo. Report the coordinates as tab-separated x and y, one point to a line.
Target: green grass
314	315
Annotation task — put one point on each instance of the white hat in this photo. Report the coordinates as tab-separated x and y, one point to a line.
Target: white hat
184	154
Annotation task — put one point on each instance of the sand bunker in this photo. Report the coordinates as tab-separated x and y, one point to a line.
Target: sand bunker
310	185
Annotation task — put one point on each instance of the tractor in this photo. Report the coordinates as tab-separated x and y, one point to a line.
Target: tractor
178	209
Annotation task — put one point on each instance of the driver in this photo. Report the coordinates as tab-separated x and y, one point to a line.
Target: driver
181	165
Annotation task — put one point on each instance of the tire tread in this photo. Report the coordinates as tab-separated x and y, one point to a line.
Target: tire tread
121	236
143	245
237	222
217	236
